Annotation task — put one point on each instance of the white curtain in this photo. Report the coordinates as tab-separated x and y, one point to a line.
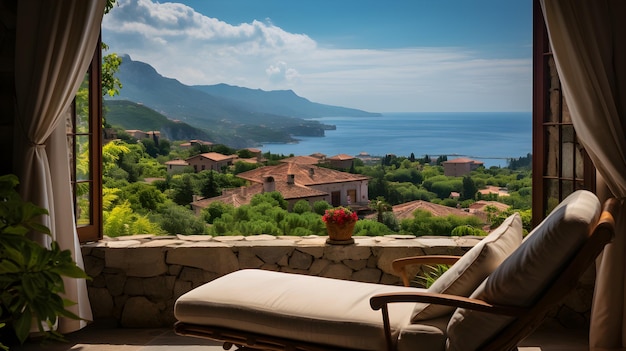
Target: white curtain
588	40
54	46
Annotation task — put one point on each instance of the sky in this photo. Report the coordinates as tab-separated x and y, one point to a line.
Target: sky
378	56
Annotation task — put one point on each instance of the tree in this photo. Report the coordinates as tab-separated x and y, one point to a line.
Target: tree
469	188
380	206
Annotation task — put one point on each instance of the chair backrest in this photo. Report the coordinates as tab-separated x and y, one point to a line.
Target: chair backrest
566	281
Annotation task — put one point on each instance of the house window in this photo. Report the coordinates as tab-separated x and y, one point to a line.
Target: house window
560	163
84	134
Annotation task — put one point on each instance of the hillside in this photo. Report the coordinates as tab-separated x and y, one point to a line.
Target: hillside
266	117
130	115
279	102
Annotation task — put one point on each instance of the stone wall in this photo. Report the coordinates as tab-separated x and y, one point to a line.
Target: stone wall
137	279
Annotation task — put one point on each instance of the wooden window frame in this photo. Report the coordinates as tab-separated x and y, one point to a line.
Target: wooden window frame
93	230
541	122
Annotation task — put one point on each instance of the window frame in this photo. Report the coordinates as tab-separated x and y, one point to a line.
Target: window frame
93	230
543	120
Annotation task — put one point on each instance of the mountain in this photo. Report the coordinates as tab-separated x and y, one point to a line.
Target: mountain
131	115
279	102
237	120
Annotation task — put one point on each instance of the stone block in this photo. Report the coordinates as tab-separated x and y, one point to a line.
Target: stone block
162	243
221	260
181	287
300	260
316	252
159	288
318	266
389	279
368	275
193	275
356	264
93	265
248	259
339	253
134	287
390	254
174	269
115	282
97	282
272	254
137	262
139	312
101	302
338	271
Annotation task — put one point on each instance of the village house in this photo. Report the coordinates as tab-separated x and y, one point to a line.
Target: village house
341	161
140	134
312	183
290	191
210	161
176	166
303	160
459	167
194	142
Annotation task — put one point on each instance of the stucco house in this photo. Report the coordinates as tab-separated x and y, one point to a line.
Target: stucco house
459	167
174	166
341	161
210	161
340	188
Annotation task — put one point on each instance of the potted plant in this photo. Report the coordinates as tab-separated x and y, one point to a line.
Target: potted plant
30	274
340	223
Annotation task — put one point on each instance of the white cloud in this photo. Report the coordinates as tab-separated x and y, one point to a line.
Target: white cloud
183	44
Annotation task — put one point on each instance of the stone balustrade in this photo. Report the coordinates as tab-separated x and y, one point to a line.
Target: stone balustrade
136	279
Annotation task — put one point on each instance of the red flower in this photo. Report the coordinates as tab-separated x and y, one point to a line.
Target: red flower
339	215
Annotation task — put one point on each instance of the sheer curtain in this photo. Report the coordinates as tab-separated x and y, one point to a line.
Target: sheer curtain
588	40
54	46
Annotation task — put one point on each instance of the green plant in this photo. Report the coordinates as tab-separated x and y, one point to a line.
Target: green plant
30	274
431	274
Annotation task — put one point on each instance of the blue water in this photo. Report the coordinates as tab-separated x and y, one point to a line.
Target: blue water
491	137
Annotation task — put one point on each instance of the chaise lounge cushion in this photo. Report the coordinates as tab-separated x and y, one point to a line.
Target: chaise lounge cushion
522	277
304	308
470	270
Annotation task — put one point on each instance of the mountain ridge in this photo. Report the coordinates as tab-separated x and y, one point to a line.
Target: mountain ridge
235	116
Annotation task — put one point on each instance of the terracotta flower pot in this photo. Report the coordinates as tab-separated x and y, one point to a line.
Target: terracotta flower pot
340	233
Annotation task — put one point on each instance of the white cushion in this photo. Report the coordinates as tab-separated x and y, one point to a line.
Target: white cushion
526	273
307	308
470	270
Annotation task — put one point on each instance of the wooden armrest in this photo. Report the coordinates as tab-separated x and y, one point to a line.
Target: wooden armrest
400	264
378	301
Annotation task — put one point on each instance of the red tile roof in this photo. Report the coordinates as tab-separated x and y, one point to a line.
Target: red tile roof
305	175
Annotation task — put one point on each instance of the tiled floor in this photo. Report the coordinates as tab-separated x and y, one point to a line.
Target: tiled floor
108	338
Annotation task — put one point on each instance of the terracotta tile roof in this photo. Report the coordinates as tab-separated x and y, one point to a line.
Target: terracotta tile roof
405	210
214	156
177	163
463	160
341	157
236	197
318	155
480	205
494	190
304	160
305	175
243	195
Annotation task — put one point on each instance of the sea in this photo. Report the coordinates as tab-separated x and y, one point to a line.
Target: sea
490	137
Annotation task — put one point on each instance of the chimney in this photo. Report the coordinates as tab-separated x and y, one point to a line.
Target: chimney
311	172
291	179
269	185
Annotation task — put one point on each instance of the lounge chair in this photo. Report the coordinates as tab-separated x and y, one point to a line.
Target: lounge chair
264	310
